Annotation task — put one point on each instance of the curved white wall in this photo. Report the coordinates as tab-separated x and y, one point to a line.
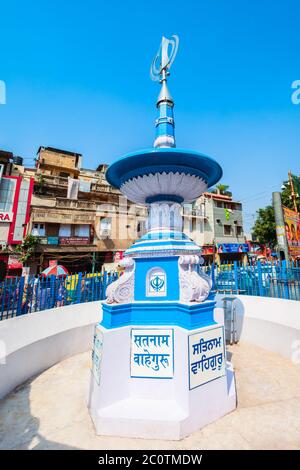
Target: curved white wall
34	342
31	343
273	324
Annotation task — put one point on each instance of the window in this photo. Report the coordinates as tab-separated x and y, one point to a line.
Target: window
64	175
7	194
227	229
82	230
64	230
38	230
239	231
219	204
105	223
141	227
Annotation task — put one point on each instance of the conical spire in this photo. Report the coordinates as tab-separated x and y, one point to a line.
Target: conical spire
165	125
165	94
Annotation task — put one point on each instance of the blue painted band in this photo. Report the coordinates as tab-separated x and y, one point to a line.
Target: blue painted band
164	197
162	243
188	316
161	235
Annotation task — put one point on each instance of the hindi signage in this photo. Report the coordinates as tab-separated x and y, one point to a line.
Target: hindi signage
206	356
152	353
292	228
232	248
6	217
97	353
74	240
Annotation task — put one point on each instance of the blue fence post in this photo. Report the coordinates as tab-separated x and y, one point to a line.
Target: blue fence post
260	279
213	275
20	295
104	280
52	301
3	295
285	279
78	289
236	276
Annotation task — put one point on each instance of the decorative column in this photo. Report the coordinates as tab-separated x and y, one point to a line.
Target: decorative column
159	361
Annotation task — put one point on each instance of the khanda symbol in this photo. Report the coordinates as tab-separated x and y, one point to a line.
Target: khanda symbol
164	57
157	283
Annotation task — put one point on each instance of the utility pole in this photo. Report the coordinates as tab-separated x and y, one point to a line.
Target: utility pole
280	226
294	195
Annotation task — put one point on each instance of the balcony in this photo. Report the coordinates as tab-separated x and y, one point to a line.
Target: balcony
199	212
196	212
63	203
60	181
49	180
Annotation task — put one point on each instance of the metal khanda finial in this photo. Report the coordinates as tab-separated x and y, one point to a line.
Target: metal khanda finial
164	58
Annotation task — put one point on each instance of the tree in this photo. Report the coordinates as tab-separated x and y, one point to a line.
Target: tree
286	194
40	183
222	189
264	230
27	248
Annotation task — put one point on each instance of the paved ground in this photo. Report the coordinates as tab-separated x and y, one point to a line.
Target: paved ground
49	411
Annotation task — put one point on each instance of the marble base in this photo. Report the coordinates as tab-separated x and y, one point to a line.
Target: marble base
154	408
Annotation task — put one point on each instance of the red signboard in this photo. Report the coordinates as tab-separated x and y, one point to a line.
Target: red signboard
13	262
6	217
208	250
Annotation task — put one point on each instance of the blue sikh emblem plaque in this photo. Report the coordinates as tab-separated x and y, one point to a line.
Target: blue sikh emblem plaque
157	283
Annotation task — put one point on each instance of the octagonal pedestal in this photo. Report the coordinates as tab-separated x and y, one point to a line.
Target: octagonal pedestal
187	392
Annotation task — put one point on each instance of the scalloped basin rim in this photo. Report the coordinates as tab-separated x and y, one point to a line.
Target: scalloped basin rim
151	161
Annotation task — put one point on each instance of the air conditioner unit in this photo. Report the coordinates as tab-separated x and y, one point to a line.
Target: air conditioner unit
3	246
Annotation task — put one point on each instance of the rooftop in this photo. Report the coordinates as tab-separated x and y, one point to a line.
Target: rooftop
56	150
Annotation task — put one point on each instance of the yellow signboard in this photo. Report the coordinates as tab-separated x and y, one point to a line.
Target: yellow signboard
292	230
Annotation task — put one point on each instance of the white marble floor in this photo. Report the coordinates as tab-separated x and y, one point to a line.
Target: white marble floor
49	411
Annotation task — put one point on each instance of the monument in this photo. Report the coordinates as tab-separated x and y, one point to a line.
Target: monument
159	360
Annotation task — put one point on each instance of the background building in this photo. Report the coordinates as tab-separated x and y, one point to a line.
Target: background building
216	223
15	198
80	220
86	225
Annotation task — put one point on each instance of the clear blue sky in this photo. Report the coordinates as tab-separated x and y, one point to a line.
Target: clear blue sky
77	77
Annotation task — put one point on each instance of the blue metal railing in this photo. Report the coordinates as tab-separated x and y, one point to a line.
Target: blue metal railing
19	296
280	279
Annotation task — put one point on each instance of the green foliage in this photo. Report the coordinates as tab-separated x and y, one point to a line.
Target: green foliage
222	189
41	183
264	230
286	195
27	248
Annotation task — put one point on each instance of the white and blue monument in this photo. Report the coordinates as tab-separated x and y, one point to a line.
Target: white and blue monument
159	360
